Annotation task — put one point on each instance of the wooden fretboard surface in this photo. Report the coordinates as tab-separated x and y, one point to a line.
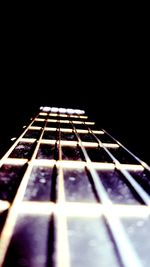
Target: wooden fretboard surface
72	195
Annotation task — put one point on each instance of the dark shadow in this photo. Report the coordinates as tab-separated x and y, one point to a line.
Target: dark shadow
3	216
56	152
53	185
51	247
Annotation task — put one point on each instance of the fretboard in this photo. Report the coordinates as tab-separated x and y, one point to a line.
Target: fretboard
71	195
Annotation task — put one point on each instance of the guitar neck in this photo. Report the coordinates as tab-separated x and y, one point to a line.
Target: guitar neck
72	195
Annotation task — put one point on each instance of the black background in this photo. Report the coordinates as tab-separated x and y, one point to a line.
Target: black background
96	64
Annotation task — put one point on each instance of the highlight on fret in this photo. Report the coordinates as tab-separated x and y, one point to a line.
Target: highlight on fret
71	194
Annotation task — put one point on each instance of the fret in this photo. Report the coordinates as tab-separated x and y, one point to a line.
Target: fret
28	140
43	113
35	128
70	195
38	119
